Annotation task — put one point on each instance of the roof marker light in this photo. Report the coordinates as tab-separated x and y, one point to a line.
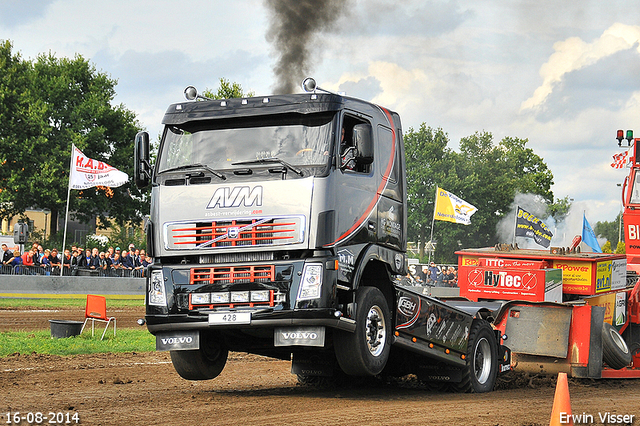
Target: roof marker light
265	101
223	103
620	136
245	102
629	135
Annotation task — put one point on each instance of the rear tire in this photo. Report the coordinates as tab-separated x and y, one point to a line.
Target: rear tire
201	364
365	352
615	352
481	371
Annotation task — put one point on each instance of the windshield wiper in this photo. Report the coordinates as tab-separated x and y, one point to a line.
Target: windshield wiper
195	166
270	160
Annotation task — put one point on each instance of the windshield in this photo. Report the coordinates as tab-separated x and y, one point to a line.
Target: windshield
298	140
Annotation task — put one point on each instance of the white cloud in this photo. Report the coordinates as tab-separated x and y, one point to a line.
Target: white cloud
574	54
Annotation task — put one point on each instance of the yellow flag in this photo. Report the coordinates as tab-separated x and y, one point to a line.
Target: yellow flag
451	208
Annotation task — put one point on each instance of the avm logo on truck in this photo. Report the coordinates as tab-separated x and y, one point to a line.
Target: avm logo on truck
227	197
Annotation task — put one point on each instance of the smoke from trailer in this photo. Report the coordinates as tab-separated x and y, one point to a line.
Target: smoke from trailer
563	231
293	31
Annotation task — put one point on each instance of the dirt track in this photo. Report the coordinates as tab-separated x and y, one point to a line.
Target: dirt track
143	389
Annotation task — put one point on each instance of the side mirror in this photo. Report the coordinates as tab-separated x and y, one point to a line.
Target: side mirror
141	165
363	141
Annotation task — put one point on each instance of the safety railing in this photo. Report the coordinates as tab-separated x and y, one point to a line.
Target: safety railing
71	271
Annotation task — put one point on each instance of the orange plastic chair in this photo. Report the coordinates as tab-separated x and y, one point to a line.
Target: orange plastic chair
96	310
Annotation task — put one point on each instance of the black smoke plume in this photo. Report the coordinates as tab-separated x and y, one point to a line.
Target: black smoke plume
294	25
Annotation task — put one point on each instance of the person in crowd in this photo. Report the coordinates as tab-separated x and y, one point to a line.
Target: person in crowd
147	261
115	261
76	259
87	258
454	281
44	261
103	262
432	273
7	254
81	260
40	253
16	261
94	260
126	261
27	257
66	260
54	259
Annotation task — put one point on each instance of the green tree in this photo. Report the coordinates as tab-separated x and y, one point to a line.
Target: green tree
609	230
606	247
483	173
428	160
227	90
67	102
559	209
620	248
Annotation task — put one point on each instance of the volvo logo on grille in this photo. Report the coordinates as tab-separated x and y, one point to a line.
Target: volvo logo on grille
233	232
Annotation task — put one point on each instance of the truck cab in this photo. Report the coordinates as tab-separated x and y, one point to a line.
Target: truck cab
277	224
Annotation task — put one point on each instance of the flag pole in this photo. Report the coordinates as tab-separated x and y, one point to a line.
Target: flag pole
66	215
433	220
515	225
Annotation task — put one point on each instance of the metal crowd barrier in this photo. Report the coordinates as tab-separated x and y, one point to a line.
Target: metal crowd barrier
71	271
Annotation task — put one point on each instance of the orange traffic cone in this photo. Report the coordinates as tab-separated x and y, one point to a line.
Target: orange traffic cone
561	412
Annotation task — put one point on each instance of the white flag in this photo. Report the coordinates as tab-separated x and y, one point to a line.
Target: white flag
86	173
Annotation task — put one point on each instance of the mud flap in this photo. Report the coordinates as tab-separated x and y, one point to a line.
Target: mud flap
313	364
504	354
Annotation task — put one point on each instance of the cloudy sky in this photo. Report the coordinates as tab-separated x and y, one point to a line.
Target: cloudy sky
563	74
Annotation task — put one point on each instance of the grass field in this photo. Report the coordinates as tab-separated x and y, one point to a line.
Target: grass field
26	342
57	303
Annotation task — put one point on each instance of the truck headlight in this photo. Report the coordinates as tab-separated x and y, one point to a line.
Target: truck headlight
157	293
239	297
200	298
311	282
260	296
220	297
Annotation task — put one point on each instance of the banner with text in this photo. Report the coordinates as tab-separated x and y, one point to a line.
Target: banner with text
451	208
86	173
527	225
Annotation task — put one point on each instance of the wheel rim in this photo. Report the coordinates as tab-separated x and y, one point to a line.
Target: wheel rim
375	332
619	341
482	361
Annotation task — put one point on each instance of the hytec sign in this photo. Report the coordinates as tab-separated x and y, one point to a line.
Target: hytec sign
477	282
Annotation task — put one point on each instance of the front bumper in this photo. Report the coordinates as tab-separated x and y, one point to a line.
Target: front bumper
259	319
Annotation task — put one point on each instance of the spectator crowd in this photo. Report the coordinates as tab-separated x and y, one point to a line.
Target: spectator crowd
75	261
433	275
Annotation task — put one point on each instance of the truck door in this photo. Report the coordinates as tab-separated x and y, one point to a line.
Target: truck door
391	209
355	198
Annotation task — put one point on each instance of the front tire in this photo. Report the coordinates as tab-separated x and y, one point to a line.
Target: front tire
201	364
481	371
366	351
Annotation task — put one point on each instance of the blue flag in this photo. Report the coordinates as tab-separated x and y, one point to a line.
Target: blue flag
588	236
